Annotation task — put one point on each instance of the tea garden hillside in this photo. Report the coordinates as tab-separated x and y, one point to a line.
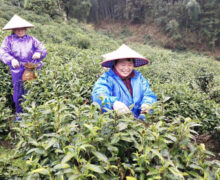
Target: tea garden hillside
63	135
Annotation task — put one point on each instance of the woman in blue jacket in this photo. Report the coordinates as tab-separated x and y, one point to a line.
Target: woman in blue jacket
122	86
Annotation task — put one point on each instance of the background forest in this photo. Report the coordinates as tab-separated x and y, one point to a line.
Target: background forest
63	135
188	23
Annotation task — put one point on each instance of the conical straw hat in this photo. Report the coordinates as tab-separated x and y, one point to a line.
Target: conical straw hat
17	22
123	52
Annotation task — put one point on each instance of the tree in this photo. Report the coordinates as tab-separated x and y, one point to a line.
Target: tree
193	9
42	6
78	9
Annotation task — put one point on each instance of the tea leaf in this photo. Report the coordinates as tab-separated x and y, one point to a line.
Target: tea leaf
176	172
100	156
74	177
62	166
67	158
41	171
122	126
95	168
37	150
51	143
130	178
156	152
170	136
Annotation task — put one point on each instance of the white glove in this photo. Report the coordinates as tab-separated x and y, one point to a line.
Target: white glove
36	55
15	63
120	108
145	108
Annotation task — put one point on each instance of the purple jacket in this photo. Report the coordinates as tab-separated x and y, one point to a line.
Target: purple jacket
21	49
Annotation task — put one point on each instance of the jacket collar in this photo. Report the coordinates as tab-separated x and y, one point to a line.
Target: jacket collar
121	83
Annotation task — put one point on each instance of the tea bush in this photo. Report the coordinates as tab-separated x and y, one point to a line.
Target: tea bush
84	43
192	82
5	114
70	33
60	140
6	105
66	73
62	135
11	164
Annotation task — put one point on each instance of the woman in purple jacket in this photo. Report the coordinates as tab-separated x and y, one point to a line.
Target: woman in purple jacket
18	49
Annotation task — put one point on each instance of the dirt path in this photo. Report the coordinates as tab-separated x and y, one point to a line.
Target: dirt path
147	33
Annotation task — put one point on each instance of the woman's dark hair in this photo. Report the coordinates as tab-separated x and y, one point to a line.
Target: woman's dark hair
128	59
12	32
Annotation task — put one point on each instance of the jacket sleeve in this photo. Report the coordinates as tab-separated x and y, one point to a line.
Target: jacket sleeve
5	52
40	48
149	97
102	93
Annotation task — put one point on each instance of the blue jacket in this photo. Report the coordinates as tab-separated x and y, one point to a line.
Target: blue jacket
110	88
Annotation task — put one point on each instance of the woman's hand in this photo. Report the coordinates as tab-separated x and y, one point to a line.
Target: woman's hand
145	108
36	55
15	63
120	108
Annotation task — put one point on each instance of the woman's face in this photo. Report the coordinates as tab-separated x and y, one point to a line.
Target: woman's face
20	32
124	67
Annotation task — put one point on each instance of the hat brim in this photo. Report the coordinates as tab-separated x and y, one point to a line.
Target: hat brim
16	22
137	62
18	28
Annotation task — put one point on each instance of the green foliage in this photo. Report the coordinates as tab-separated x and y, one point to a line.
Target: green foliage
11	165
205	79
6	105
84	43
218	58
66	73
195	17
5	114
6	101
217	131
172	29
61	140
199	18
42	6
190	81
69	34
194	10
209	23
78	9
63	136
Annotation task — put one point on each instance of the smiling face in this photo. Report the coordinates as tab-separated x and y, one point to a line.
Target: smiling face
124	67
20	32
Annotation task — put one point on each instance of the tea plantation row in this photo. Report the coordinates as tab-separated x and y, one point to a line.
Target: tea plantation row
63	135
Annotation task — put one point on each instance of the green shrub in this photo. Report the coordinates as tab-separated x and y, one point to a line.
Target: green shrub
84	43
218	58
172	29
6	102
62	135
205	79
59	139
217	131
3	22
